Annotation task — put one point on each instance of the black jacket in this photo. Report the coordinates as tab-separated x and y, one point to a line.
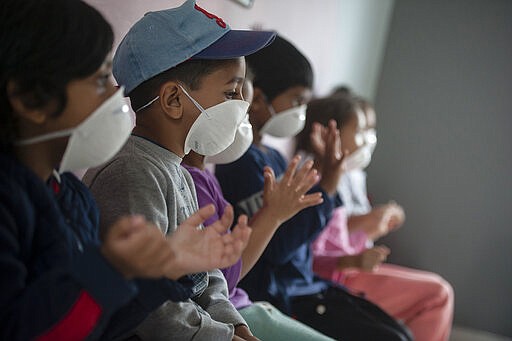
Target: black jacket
55	283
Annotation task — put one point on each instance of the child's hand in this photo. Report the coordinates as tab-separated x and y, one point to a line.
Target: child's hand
317	139
137	248
397	216
203	250
332	160
370	259
285	198
238	238
383	219
243	333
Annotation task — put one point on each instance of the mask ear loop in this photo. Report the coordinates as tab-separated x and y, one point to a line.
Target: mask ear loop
45	137
194	101
147	104
56	175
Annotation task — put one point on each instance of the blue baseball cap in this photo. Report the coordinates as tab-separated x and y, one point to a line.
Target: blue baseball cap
164	39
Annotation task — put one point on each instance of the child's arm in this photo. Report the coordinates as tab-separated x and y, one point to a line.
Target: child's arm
53	307
368	260
313	219
379	221
281	201
242	183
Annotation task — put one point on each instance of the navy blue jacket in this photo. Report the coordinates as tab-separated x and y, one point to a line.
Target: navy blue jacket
285	268
55	283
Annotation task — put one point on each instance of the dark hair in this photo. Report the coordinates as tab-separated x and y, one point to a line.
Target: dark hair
279	67
45	44
343	90
190	73
364	103
339	108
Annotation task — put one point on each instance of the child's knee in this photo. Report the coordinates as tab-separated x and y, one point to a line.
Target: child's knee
446	291
441	291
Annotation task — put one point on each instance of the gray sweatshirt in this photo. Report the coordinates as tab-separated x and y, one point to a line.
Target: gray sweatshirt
144	178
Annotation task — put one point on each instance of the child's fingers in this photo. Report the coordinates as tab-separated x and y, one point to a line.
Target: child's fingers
290	171
199	216
338	154
317	130
312	199
227	238
126	226
330	143
242	231
309	181
384	250
323	131
228	256
269	181
302	172
222	225
227	218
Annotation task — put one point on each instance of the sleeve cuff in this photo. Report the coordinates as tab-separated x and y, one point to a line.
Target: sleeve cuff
329	204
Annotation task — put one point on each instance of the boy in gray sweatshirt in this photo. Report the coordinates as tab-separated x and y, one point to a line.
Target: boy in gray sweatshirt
183	69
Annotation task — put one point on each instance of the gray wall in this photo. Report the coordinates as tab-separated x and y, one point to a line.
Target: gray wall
444	104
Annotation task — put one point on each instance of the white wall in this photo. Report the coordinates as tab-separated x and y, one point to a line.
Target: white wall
344	39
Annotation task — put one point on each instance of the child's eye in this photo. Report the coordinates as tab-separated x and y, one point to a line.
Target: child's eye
102	82
231	94
298	101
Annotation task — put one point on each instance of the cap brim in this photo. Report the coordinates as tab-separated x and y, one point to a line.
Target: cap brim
237	43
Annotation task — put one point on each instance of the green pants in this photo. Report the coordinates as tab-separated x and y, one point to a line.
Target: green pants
267	323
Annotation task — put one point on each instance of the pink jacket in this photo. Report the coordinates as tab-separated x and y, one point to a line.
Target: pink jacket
335	241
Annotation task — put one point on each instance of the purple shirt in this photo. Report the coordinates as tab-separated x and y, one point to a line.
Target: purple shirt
209	192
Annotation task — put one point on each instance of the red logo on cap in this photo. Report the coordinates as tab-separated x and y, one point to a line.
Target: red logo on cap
218	20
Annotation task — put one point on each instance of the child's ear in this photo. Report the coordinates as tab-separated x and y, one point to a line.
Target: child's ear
170	100
19	104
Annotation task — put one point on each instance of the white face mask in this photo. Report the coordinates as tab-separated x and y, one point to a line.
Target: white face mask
214	130
286	123
242	142
370	138
97	139
361	158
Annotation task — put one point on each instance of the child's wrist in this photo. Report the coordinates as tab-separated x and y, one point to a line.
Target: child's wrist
178	268
271	214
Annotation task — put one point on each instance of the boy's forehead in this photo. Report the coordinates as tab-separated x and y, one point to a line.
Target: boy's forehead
227	74
299	91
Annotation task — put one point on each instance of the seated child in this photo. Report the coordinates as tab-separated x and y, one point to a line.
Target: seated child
280	202
283	275
57	106
423	300
183	69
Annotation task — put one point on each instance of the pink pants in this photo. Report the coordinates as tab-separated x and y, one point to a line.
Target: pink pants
423	300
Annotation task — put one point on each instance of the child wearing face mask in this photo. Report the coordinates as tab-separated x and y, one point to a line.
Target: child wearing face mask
280	202
283	275
423	300
352	186
58	281
183	69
